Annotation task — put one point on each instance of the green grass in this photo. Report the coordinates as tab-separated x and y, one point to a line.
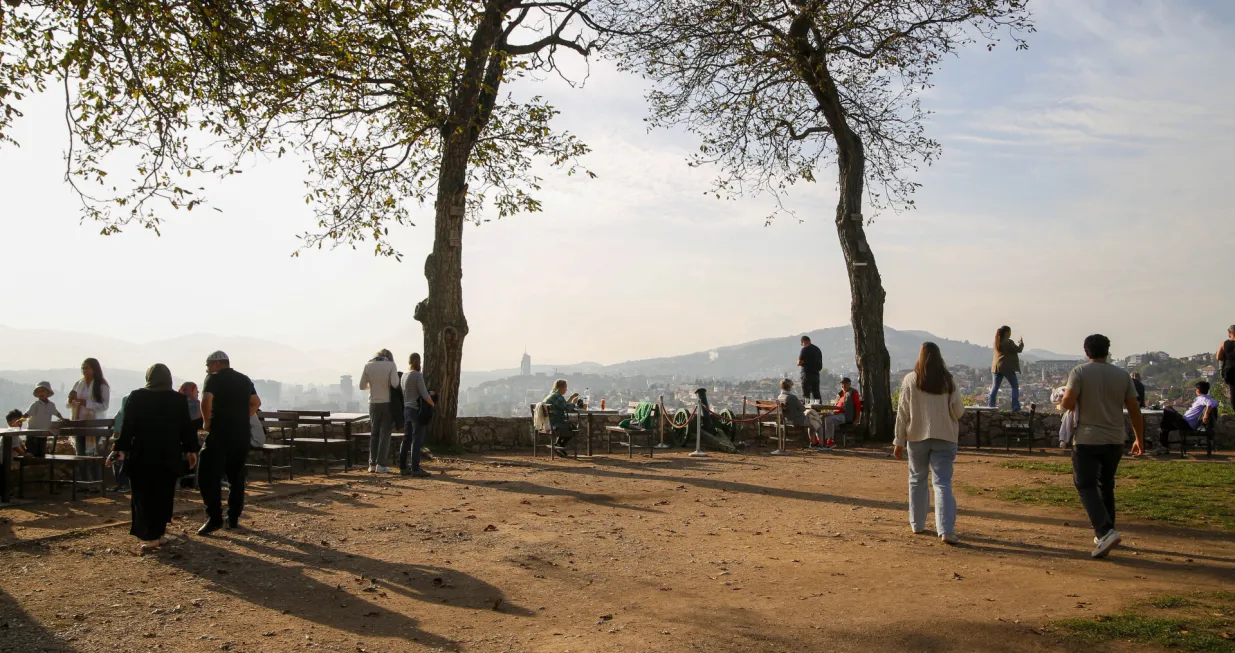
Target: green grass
1196	495
1199	629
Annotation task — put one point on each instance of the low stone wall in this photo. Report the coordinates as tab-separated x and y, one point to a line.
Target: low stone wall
484	434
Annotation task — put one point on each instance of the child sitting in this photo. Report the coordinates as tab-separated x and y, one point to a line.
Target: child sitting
13	419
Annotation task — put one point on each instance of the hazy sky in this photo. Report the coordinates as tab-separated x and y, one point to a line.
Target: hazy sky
1080	190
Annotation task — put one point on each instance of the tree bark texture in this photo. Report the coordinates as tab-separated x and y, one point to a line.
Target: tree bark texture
441	313
865	285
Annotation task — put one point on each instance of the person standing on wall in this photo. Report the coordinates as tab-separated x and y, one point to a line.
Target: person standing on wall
1099	393
417	410
810	359
89	399
1007	365
228	400
379	377
1226	359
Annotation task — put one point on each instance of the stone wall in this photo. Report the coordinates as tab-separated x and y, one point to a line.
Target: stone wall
484	434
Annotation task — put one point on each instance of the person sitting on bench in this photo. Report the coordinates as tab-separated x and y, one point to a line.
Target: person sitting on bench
796	413
1173	421
848	410
559	421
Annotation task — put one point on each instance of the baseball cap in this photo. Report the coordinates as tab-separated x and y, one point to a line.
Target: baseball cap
217	356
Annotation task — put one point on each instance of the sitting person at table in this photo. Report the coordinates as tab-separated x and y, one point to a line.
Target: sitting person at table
794	412
848	410
559	421
1173	421
13	419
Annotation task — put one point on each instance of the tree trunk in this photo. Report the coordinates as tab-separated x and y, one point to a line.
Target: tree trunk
866	305
441	314
865	286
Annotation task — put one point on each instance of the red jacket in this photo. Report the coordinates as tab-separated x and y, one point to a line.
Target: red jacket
851	396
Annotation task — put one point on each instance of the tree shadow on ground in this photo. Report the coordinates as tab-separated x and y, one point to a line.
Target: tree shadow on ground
623	472
274	572
19	631
526	487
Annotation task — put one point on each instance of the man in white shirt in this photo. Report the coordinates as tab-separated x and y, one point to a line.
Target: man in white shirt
1189	421
380	376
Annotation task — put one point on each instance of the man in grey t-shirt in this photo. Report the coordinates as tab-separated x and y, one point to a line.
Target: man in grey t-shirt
1099	392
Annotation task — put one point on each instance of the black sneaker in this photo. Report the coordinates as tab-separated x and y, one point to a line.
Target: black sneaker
233	524
210	527
561	452
403	471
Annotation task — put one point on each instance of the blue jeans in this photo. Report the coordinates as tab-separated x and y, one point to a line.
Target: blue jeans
381	421
937	457
413	438
1016	390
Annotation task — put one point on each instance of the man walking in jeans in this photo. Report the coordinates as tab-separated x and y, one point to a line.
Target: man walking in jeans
1099	392
380	376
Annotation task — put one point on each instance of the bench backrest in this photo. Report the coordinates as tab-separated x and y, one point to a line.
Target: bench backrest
1209	419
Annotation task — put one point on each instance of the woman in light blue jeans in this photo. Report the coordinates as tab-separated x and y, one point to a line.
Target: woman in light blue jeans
927	424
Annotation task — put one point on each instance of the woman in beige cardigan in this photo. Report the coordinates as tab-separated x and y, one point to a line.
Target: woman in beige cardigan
1006	365
927	424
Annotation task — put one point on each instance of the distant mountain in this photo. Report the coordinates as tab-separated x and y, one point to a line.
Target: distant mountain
773	357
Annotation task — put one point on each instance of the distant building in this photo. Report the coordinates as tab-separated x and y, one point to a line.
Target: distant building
525	366
271	392
345	387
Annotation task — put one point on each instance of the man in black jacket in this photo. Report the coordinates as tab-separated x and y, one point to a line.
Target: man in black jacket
810	359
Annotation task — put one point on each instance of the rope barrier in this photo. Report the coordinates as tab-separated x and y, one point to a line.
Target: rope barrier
664	415
743	421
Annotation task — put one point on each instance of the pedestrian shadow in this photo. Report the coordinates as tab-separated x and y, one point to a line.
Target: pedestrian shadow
273	572
19	631
1121	556
529	488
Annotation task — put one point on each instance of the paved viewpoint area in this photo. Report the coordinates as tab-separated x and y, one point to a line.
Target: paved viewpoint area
729	553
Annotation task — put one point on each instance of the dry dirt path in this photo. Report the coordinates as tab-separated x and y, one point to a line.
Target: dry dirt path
730	553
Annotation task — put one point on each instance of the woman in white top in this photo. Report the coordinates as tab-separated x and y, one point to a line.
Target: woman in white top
89	399
928	422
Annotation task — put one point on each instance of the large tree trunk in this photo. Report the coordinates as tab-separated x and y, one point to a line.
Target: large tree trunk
441	314
865	287
867	297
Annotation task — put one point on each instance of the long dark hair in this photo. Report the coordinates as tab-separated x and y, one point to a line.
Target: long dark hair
1003	332
932	373
413	361
96	391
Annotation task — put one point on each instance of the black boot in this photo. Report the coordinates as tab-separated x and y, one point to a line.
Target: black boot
210	526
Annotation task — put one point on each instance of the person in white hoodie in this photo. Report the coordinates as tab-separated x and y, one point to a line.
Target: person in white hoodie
927	424
379	377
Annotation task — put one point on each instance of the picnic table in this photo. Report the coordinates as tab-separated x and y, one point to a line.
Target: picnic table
6	440
977	417
585	415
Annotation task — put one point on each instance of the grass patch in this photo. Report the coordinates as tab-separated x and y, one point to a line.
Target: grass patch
1196	495
1185	634
1207	626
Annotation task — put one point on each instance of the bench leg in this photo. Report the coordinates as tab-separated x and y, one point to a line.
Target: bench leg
73	484
21	480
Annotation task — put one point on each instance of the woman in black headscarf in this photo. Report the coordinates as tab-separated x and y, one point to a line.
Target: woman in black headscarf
155	433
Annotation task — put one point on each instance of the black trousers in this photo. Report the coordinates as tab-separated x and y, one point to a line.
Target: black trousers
220	458
1093	473
810	386
1171	421
562	436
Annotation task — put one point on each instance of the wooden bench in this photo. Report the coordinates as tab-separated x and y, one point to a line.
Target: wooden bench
782	430
548	433
629	433
100	429
271	421
320	419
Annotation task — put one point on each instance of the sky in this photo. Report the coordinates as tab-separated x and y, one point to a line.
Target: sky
1077	193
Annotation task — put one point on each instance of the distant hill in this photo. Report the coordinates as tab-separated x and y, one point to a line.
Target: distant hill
772	357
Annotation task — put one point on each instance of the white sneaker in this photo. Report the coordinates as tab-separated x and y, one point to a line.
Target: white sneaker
1106	543
949	538
372	468
381	469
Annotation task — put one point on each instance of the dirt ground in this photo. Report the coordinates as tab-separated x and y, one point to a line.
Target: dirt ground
810	552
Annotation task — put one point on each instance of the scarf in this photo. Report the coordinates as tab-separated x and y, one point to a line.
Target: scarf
158	377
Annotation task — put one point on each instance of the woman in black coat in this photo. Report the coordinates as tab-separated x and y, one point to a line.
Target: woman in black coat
156	431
